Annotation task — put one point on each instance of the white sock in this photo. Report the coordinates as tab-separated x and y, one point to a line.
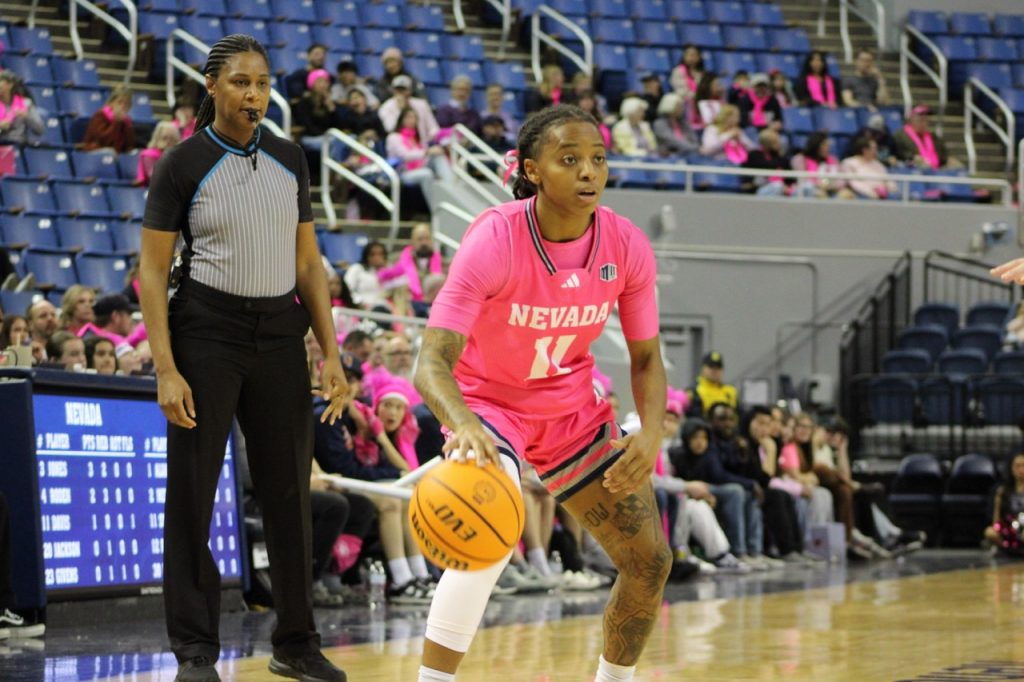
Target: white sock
538	558
418	565
400	573
431	675
609	672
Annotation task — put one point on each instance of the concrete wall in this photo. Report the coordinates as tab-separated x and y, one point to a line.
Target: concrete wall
896	11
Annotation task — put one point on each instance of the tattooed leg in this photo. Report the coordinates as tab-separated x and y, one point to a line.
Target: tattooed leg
628	526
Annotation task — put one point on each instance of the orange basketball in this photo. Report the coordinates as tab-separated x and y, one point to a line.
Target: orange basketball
465	516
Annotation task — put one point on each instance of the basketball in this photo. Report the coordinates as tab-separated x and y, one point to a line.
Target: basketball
466	516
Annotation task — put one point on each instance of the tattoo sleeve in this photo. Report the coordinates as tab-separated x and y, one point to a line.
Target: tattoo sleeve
434	380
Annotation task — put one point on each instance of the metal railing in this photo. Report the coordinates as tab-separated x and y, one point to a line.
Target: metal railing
458	212
538	36
504	9
940	78
949	278
470	153
328	165
32	13
176	64
877	24
130	32
1006	135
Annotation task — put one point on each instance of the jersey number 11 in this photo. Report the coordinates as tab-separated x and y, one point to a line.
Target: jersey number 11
547	361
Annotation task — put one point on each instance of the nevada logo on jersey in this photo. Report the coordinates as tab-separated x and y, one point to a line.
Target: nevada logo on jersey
609	271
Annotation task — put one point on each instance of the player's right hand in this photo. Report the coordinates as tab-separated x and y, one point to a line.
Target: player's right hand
1012	271
473	436
174	396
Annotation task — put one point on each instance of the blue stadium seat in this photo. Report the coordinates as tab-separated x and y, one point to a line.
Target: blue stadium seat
765	14
142	108
159	25
53	132
1008	362
253	9
612	9
962	361
836	121
429	70
650	10
929	23
207	29
47	163
160	6
452	69
916	497
931	338
617	31
958	48
28	195
1001	399
423	18
1014	98
79	198
339	14
910	361
127	168
891	399
22	231
30	40
989	313
466	48
970	23
718	182
656	59
965	504
34	68
337	39
509	74
51	267
17	302
788	64
998	49
214	8
343	247
702	35
725	12
945	315
657	33
750	38
571	8
104	271
99	164
611	58
634	178
728	63
129	201
1009	25
381	16
257	28
85	234
942	399
45	99
424	45
81	102
689	11
373	40
986	339
302	11
798	120
794	40
291	35
127	235
82	73
993	75
670	179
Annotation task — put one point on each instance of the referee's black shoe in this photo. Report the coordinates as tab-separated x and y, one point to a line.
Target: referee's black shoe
197	669
311	667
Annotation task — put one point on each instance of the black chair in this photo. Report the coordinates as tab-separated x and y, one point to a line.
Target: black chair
965	504
945	315
916	497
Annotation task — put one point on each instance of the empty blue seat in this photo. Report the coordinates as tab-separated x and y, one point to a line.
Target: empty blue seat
101	165
998	49
965	504
85	234
962	361
836	121
207	29
339	14
931	338
54	267
891	399
253	9
728	63
916	494
103	271
1009	25
571	8
910	361
127	235
257	28
970	23
160	5
718	182
657	33
751	38
670	179
656	59
613	9
985	339
942	399
726	12
611	58
374	39
1008	362
689	11
45	99
1001	399
343	247
130	201
290	35
798	120
651	10
466	48
381	16
53	131
929	23
618	31
632	178
765	14
993	75
423	18
701	35
793	40
958	48
34	68
20	231
945	315
1014	98
510	74
79	198
17	302
30	40
47	163
302	11
787	64
158	25
988	313
424	45
338	39
430	72
285	60
72	71
473	70
81	102
216	8
27	195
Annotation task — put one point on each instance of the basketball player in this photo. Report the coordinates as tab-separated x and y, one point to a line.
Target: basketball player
506	367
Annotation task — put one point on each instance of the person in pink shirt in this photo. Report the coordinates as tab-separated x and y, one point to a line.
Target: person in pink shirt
506	367
165	136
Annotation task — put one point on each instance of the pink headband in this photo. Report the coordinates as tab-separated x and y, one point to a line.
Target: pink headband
314	75
511	165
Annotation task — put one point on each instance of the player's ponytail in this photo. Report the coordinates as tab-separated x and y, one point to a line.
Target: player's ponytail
533	134
219	53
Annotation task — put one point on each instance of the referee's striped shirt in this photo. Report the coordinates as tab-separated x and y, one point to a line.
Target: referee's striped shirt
238	220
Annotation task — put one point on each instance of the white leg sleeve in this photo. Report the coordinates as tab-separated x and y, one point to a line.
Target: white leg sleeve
705	529
461	596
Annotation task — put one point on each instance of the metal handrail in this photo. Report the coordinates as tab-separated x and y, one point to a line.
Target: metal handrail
464	155
130	32
458	212
585	64
940	78
32	13
1006	135
877	24
504	9
173	64
392	204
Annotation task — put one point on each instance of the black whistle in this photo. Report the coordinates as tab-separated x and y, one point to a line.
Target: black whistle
253	115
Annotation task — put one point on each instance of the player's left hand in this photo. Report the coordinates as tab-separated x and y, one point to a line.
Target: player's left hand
1010	272
634	467
334	387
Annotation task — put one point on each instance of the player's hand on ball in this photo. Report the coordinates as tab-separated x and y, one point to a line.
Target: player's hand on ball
472	437
634	467
1010	272
334	388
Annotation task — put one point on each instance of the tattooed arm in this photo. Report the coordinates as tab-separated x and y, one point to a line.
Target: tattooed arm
436	384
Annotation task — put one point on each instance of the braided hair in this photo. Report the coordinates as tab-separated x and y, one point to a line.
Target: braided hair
533	134
227	46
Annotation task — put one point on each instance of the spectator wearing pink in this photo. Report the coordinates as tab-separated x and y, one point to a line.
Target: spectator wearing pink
76	307
548	92
421	161
672	129
164	136
758	107
392	110
817	158
687	74
865	162
816	86
589	102
397	364
782	89
632	135
708	102
917	144
111	127
417	260
184	118
20	121
725	140
114	321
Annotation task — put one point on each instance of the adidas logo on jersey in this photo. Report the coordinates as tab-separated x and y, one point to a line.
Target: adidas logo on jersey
572	283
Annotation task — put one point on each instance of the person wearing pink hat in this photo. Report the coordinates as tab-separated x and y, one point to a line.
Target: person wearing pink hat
316	112
918	145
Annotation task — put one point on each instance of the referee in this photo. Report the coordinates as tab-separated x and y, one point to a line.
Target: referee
230	344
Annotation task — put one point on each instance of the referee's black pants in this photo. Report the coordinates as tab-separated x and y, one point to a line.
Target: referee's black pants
242	357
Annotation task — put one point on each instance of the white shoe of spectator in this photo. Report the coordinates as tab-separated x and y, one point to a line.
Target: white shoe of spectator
602	579
578	581
770	562
727	563
705	567
756	563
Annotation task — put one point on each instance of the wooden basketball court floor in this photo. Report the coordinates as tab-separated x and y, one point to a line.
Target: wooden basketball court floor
884	621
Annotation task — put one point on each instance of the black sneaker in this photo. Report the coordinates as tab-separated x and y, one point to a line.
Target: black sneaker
13	626
413	592
312	667
197	669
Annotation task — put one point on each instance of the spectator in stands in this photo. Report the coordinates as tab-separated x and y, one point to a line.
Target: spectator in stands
866	88
394	67
816	86
757	106
297	82
129	361
349	80
548	92
165	135
113	321
770	156
916	143
672	128
782	89
363	279
14	331
100	355
495	134
877	130
20	121
398	357
653	92
357	117
421	163
686	76
111	127
817	158
316	113
358	344
76	308
402	98
582	83
1007	506
184	118
865	162
710	99
724	139
67	349
590	103
42	324
431	288
494	99
632	135
417	260
740	84
710	388
459	109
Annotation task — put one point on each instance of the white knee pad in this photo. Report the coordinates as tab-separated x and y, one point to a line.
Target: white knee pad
461	596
